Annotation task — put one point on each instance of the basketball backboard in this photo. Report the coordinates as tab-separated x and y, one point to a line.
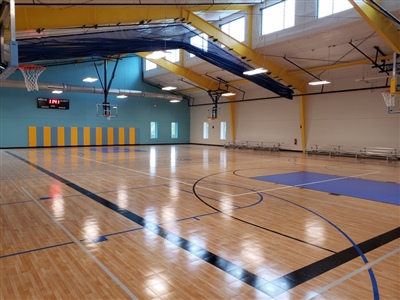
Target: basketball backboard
8	43
106	110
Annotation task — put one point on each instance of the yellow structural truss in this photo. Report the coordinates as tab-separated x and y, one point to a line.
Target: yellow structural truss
379	23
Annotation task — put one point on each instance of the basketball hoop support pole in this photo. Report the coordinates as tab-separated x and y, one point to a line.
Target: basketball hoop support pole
214	97
106	86
393	80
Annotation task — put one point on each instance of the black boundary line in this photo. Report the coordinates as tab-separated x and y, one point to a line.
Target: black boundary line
271	288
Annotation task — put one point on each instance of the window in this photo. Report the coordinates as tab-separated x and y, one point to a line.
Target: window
235	29
200	41
173	55
329	7
223	131
205	130
174	130
149	65
278	16
153	130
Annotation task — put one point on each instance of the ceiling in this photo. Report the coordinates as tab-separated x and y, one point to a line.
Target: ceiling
341	53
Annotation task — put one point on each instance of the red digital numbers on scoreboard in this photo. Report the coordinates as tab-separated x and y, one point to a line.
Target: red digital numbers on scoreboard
52	103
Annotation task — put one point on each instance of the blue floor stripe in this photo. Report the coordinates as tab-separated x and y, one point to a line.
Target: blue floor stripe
37	249
386	192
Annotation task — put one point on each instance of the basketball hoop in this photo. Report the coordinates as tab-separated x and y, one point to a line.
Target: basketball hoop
31	74
108	117
389	98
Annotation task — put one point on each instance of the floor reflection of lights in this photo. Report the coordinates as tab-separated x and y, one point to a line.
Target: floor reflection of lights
91	230
153	161
122	197
173	160
57	206
57	201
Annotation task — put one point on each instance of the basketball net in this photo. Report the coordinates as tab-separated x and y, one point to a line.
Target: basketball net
389	98
31	74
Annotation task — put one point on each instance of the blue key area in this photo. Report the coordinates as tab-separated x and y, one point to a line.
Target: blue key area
116	150
386	192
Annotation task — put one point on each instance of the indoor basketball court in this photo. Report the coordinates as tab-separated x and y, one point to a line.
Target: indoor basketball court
178	222
247	161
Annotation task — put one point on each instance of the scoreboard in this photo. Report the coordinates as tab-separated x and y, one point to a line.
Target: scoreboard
52	103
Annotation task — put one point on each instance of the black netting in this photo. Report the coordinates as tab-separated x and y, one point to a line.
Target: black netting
151	38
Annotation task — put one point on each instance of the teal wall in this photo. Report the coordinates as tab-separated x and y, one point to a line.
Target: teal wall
18	106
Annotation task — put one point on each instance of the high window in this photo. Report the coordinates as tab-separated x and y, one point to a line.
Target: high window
223	131
278	16
329	7
235	29
200	41
174	130
153	130
205	130
149	65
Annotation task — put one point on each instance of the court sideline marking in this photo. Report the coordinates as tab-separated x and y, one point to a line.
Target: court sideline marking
355	272
99	263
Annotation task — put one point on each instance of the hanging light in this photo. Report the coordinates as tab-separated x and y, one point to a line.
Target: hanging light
89	79
122	96
227	94
321	82
57	91
175	100
255	71
169	88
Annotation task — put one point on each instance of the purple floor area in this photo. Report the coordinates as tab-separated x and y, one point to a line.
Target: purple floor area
386	192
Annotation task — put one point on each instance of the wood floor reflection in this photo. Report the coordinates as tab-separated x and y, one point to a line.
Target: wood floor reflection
197	222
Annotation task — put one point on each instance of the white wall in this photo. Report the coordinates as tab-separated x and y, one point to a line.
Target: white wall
356	119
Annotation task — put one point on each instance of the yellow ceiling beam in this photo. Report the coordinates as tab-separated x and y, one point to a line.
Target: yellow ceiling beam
33	17
379	23
53	17
217	7
194	77
341	65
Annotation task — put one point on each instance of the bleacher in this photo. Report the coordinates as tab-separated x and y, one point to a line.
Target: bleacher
254	145
357	152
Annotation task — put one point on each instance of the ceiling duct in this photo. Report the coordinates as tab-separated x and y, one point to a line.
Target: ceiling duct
45	86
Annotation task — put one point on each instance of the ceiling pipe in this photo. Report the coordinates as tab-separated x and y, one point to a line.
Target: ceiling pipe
45	86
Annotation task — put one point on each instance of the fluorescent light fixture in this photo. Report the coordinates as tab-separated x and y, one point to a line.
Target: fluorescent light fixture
57	92
319	82
90	79
174	100
122	96
156	55
169	88
255	71
227	94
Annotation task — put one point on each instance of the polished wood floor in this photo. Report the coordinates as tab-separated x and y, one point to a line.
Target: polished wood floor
192	222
